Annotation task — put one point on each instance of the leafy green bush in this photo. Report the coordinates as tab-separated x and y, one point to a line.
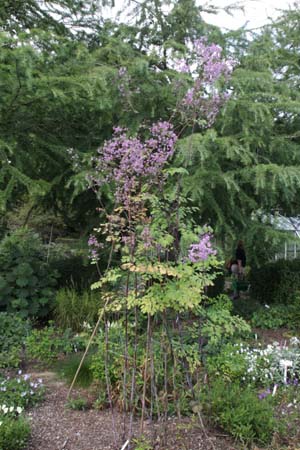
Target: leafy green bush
276	282
293	316
240	412
229	364
273	317
277	315
14	434
116	342
26	281
14	331
74	309
47	344
218	325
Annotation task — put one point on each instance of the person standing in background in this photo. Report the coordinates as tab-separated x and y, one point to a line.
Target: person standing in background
240	257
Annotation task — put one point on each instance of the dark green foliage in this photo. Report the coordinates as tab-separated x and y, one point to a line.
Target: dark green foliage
74	310
13	334
14	434
245	307
277	316
276	282
227	365
240	412
73	271
293	314
274	317
60	90
65	17
26	281
218	286
59	94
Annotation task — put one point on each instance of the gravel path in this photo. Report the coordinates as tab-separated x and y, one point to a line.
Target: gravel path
55	427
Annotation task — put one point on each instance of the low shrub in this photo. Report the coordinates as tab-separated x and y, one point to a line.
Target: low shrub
79	404
73	309
14	331
271	317
276	282
240	412
277	315
26	281
229	364
293	316
47	344
14	433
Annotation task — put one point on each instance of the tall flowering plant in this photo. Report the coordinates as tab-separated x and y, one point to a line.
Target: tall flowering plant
147	225
144	225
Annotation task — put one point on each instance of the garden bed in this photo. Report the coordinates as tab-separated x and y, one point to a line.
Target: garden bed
55	427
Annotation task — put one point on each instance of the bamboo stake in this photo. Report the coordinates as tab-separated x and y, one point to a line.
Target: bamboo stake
145	374
125	359
133	377
165	403
87	349
190	384
108	385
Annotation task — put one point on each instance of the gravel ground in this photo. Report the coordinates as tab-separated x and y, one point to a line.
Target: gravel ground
55	427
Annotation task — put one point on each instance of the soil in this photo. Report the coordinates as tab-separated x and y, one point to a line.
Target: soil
281	335
56	427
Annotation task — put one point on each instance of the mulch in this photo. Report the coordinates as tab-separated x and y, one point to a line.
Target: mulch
56	427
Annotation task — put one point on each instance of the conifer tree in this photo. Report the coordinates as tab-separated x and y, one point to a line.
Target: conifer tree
246	169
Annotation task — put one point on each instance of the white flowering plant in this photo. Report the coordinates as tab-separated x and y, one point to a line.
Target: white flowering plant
18	393
261	366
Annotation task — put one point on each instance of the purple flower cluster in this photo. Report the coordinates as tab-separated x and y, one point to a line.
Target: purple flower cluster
182	66
94	247
211	62
129	240
264	394
203	100
146	237
201	251
128	161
